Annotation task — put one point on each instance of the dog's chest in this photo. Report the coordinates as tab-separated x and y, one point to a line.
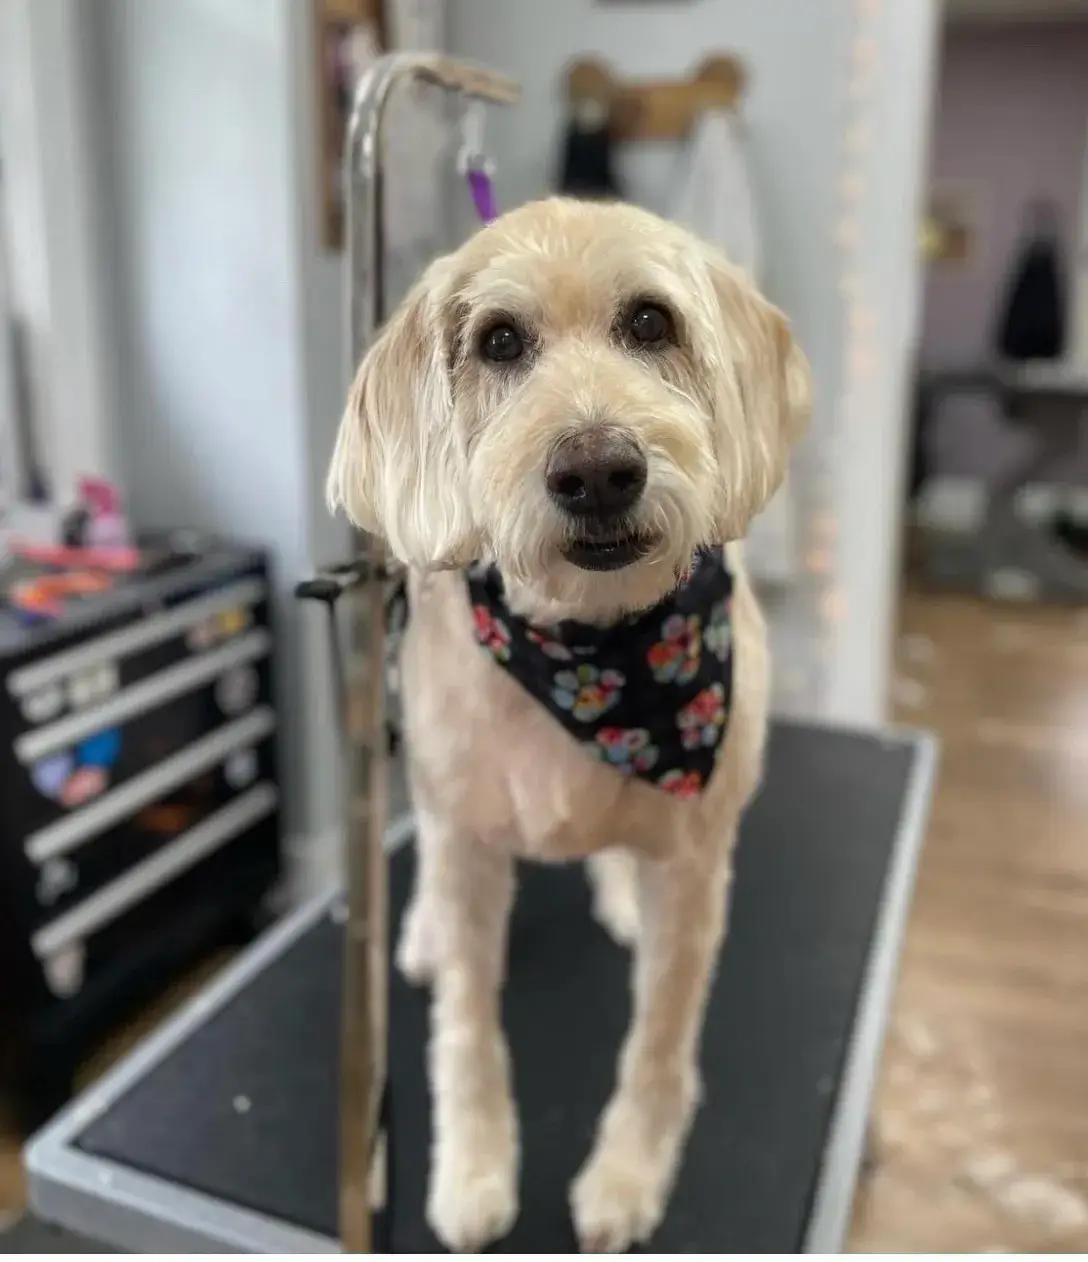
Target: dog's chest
562	764
647	696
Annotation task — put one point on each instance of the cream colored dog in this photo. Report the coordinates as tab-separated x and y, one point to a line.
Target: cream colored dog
534	330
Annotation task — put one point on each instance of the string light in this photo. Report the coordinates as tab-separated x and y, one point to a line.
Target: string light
818	561
860	83
859	137
834	605
862	318
863	361
861	352
866	51
848	233
851	187
825	527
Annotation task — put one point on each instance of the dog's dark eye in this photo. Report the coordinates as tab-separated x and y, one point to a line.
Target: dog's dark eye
502	343
649	324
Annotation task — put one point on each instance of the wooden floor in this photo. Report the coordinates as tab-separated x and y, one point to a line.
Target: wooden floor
12	1191
982	1113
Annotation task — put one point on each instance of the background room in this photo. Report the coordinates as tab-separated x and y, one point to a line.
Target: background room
982	1149
907	181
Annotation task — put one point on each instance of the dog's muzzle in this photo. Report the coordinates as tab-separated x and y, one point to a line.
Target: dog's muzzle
596	477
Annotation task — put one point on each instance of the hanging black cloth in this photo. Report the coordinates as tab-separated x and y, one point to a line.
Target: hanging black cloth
1033	323
587	166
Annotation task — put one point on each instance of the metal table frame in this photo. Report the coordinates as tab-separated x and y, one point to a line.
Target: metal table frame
141	1213
364	1032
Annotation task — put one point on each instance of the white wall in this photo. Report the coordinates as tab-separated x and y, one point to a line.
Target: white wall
21	195
218	310
868	458
52	203
795	109
216	306
324	376
208	283
12	458
224	316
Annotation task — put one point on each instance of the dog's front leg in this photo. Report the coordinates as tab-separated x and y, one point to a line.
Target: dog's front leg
620	1195
472	1198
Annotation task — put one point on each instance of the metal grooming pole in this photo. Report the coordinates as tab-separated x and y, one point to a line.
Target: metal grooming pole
364	1028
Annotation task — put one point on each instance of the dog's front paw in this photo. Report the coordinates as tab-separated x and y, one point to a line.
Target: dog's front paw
415	948
616	1201
621	1193
473	1198
615	896
617	913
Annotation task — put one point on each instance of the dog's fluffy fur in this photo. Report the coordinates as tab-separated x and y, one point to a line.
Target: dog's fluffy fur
443	453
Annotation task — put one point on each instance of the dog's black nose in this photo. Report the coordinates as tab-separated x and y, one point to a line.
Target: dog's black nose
596	473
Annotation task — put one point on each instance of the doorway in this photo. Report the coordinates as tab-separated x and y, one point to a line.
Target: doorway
979	1133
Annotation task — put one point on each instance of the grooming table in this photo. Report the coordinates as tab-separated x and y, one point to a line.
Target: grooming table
220	1133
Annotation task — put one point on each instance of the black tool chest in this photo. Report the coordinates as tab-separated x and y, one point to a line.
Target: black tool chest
139	800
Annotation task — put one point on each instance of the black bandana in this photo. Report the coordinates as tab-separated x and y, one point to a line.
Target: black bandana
648	695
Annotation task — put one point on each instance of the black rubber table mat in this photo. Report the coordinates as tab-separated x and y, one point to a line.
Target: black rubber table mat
811	869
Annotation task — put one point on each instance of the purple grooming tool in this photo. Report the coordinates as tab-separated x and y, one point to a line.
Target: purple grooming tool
474	166
51	774
483	193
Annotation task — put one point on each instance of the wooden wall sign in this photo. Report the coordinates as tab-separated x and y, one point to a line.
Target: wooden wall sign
655	109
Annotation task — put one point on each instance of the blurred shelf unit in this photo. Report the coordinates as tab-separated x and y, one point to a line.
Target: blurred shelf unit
140	811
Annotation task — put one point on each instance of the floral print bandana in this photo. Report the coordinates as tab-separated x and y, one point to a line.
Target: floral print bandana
649	696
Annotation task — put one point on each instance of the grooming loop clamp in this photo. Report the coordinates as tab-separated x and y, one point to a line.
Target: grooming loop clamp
358	655
473	164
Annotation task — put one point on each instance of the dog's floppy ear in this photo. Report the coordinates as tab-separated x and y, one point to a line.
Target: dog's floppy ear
397	468
762	394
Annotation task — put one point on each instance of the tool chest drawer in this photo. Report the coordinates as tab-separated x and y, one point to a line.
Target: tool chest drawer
138	765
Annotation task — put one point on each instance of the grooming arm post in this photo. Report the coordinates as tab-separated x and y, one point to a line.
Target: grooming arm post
365	1020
